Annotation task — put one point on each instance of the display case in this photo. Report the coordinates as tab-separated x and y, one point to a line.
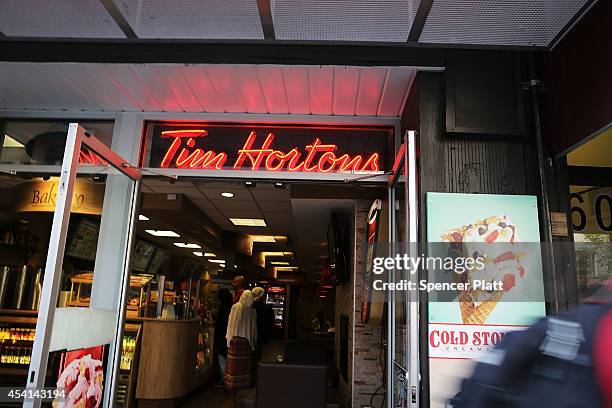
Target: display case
140	286
128	365
17	329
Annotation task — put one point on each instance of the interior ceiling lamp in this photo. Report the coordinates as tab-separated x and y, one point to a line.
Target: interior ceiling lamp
268	238
287	268
187	245
162	233
248	222
282	263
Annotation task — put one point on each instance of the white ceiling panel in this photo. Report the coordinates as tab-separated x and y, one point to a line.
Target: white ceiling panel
131	84
296	85
189	19
272	82
199	81
498	22
396	87
57	18
247	83
281	89
79	80
338	20
321	88
98	74
370	91
160	95
346	83
173	77
224	83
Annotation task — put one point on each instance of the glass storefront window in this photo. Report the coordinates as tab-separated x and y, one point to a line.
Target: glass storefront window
42	141
592	226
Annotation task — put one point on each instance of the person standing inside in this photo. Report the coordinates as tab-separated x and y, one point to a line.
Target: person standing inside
265	317
241	338
220	344
239	284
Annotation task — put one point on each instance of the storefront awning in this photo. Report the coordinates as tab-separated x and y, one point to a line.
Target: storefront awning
534	23
267	89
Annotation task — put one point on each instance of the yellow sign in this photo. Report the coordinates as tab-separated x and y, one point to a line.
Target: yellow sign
40	196
591	209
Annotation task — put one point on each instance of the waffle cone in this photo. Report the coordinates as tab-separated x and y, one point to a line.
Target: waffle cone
472	314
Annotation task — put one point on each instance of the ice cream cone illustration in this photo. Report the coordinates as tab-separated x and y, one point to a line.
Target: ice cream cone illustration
502	263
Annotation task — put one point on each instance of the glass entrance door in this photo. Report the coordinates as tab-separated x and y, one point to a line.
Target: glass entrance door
402	307
80	314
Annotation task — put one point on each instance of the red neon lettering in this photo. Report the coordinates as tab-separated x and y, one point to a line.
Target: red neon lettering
319	157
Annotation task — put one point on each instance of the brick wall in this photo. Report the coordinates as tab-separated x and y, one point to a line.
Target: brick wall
368	374
365	374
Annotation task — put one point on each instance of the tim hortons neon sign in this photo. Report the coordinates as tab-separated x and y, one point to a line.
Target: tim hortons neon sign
315	157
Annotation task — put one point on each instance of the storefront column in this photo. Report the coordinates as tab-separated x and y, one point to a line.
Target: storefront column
110	254
113	239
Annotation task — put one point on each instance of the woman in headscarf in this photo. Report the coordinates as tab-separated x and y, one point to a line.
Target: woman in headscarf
241	340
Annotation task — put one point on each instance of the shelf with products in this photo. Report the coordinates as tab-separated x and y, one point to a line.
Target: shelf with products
17	330
128	364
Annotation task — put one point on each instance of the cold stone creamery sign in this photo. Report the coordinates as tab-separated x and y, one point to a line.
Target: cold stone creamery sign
40	196
265	148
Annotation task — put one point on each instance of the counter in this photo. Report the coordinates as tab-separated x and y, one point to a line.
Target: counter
167	354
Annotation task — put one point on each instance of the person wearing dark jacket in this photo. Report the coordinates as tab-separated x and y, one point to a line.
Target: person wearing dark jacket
220	345
265	317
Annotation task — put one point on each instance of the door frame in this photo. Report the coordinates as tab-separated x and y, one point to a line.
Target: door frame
77	137
404	165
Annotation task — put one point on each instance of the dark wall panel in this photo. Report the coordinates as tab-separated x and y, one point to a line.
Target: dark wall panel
577	75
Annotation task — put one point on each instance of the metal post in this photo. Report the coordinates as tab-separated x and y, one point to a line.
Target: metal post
544	206
413	304
55	257
390	300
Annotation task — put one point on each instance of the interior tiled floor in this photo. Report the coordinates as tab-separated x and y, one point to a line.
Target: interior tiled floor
209	397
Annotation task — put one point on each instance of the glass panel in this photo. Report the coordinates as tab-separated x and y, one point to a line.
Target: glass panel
591	207
400	297
42	141
22	254
85	324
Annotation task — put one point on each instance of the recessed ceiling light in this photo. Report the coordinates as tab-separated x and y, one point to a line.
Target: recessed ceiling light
267	238
275	253
248	222
280	263
250	184
218	261
184	245
162	233
143	218
197	253
227	194
279	185
287	268
209	255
